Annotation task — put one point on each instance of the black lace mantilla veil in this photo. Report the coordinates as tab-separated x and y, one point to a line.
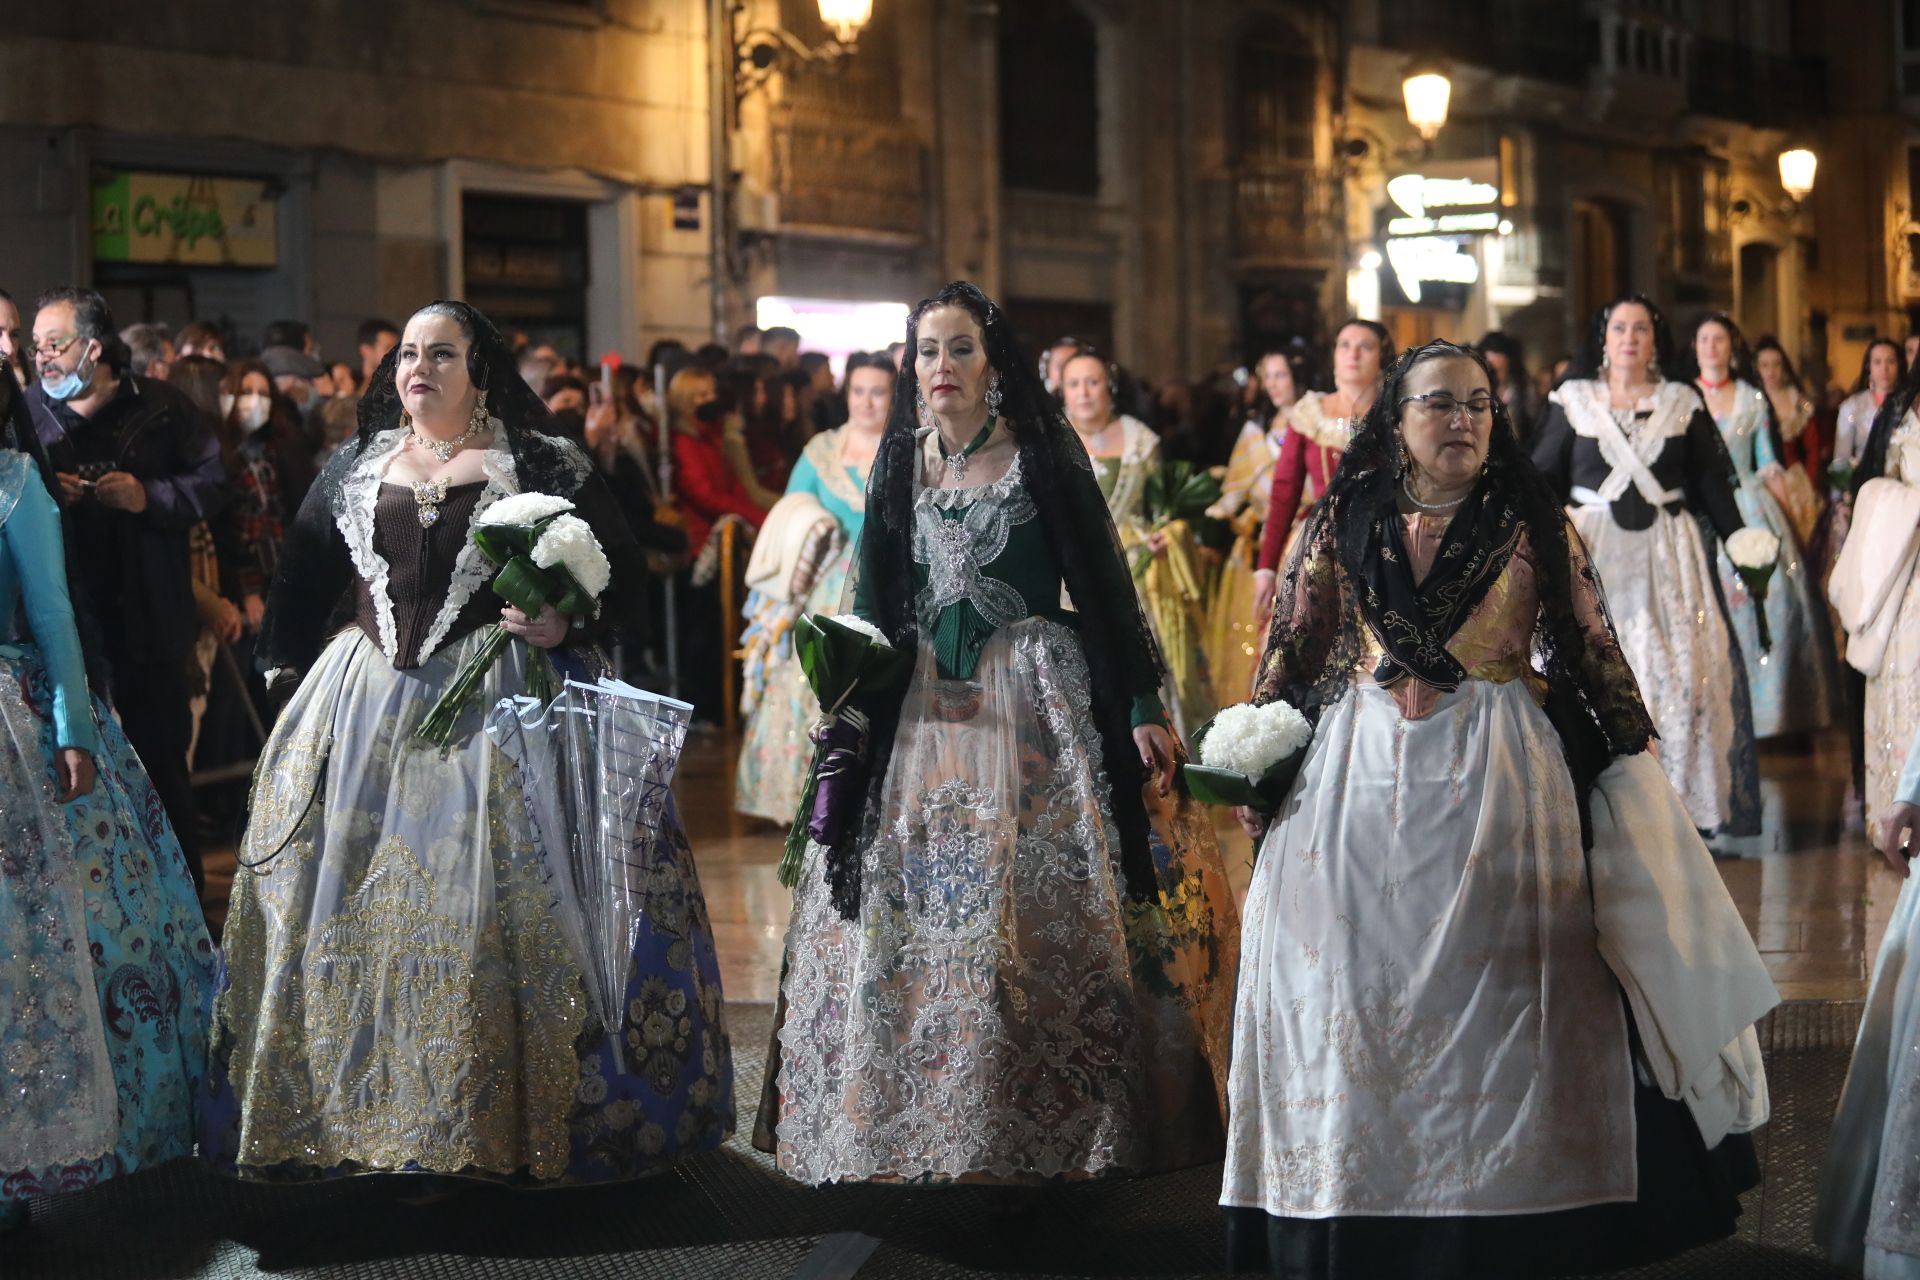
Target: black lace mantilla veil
1122	657
315	569
1316	640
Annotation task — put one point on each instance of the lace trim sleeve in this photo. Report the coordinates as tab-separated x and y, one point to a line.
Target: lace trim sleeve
1309	614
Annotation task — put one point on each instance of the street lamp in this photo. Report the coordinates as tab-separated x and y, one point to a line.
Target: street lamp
1426	93
758	52
846	17
1796	172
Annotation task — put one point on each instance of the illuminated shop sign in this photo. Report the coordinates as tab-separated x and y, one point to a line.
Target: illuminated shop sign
184	218
1437	212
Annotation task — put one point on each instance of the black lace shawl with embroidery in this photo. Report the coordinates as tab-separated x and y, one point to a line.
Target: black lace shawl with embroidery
1122	657
1317	638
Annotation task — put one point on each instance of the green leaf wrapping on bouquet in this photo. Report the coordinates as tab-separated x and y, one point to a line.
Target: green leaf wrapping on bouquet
525	585
502	542
1211	785
838	661
1180	491
528	588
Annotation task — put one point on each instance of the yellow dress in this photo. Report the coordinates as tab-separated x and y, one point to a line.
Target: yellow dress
1233	636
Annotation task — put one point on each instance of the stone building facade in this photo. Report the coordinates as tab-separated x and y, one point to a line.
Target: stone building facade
1183	183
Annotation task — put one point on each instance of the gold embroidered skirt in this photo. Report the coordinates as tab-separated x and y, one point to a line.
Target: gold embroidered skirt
399	993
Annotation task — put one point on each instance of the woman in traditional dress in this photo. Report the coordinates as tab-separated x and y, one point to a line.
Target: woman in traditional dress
1802	455
1870	1186
1794	684
1318	427
401	993
806	546
1126	455
1884	645
986	980
106	972
1432	1074
1638	457
1233	633
1883	367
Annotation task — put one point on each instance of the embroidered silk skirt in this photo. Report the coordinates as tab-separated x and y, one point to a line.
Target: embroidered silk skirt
1234	635
1000	1010
1892	709
1869	1209
1431	1068
106	973
1662	593
1794	687
399	994
775	752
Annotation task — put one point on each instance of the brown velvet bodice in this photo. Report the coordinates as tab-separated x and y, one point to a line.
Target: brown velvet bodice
420	564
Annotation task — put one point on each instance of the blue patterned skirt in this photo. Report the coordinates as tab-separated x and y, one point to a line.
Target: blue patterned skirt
103	1009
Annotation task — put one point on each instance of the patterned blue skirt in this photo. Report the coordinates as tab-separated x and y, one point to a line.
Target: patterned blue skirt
101	885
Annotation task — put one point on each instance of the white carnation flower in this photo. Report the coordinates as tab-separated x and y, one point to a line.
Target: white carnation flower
1753	548
865	628
569	543
523	510
1251	740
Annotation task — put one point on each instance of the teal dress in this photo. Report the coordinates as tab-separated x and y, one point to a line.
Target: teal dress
106	971
778	704
1793	684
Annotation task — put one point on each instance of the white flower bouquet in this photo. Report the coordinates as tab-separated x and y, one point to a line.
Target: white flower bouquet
545	556
1249	755
1755	552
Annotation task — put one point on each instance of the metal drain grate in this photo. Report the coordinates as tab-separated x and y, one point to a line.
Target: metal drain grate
730	1215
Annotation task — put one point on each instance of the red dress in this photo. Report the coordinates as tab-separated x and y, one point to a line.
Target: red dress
705	486
1305	467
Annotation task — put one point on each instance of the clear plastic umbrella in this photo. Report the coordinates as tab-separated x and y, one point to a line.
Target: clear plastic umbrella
596	767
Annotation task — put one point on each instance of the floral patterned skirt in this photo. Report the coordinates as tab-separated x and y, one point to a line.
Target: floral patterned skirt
98	918
399	995
1000	1010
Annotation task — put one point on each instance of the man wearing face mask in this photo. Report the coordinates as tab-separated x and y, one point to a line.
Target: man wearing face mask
138	466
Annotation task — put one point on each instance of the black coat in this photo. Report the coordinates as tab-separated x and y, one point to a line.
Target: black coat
136	567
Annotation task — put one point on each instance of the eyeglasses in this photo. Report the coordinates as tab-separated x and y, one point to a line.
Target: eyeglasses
1439	406
53	348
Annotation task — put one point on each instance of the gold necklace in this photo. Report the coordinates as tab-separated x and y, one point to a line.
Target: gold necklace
445	449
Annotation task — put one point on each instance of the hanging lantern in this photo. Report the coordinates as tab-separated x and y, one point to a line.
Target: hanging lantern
1427	94
846	17
1796	172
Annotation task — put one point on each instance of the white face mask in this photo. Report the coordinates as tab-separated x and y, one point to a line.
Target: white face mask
253	410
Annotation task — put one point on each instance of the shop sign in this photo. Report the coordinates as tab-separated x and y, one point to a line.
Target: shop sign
187	219
1429	240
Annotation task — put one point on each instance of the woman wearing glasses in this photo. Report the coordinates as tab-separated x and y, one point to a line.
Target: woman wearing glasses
1638	458
1433	1073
